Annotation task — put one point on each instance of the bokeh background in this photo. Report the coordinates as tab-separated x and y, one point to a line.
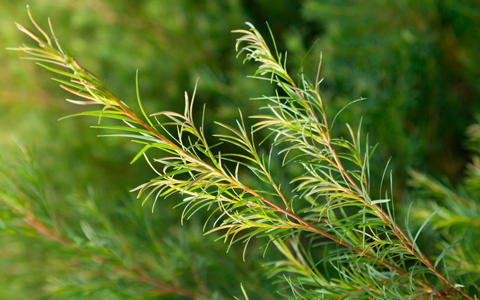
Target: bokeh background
416	62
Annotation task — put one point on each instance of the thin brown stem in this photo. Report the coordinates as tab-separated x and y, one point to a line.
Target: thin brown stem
138	272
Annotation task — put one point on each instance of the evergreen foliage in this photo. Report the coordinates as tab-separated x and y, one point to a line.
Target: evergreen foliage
290	184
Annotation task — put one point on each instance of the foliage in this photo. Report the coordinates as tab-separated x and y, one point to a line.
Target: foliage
332	204
416	63
456	226
114	255
150	35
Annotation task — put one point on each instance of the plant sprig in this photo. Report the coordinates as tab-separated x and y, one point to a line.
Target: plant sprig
374	257
22	195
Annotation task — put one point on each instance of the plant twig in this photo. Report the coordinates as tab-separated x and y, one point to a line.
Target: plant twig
137	272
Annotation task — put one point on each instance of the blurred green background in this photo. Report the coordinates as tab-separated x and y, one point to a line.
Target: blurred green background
416	62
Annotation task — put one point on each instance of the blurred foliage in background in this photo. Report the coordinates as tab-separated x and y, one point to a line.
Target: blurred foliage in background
416	62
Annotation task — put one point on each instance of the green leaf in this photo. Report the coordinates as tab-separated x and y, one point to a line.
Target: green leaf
442	255
424	224
243	201
106	114
244	292
59	72
336	116
71	84
140	153
140	102
380	201
133	129
180	171
134	136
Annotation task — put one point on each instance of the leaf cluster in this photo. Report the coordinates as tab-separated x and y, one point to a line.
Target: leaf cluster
331	205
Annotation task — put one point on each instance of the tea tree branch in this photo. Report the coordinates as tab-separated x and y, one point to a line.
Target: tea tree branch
374	252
